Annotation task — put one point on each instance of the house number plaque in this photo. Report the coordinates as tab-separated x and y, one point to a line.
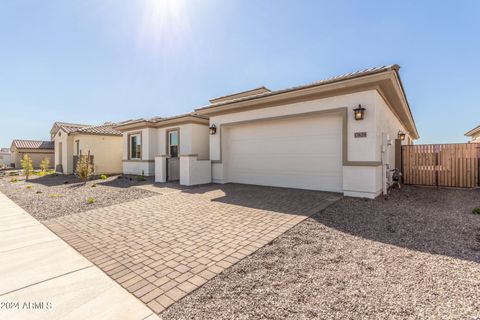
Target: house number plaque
360	134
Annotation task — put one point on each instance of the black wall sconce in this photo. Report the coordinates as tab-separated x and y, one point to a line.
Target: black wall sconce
359	112
401	135
213	129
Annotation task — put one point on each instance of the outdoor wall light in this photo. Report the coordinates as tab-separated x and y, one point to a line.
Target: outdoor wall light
213	129
401	135
359	112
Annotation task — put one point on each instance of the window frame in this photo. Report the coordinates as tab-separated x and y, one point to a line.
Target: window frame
77	147
138	135
169	145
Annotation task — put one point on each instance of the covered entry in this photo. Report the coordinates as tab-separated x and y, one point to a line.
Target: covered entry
297	152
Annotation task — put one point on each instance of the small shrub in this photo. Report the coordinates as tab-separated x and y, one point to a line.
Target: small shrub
84	168
140	178
13	173
103	177
28	187
90	200
93	185
27	166
13	180
44	165
38	192
65	182
55	195
476	210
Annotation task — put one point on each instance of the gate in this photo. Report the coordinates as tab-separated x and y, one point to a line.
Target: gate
446	165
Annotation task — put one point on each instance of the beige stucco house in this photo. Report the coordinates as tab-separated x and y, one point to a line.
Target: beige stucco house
37	151
342	134
474	135
102	141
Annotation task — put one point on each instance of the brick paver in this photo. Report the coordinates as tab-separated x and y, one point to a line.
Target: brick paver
163	247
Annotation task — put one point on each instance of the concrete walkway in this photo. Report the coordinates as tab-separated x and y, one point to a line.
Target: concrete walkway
41	277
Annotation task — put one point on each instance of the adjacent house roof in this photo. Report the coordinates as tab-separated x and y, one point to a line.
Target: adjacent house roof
161	122
74	128
103	129
5	150
67	127
384	78
473	131
33	144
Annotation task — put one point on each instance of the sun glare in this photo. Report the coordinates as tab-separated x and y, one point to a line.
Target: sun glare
164	24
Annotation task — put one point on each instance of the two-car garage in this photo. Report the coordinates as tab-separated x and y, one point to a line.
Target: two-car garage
296	151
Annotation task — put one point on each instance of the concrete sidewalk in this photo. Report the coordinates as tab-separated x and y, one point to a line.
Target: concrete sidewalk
41	277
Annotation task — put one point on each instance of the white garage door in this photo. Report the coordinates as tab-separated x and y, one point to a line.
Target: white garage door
303	152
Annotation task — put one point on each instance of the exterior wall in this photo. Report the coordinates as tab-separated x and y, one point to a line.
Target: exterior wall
67	151
358	180
193	139
194	171
149	148
475	138
5	158
106	151
36	155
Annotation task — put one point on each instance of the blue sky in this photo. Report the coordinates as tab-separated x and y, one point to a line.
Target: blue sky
93	61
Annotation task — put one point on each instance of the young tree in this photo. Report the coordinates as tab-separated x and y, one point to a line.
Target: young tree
84	168
45	164
26	165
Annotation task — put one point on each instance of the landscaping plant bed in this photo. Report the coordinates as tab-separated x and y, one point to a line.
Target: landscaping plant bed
415	255
58	195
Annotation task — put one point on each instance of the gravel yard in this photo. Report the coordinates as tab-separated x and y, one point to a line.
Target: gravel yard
58	195
415	255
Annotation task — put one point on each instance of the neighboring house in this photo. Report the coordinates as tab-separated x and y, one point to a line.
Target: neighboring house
103	142
5	157
149	145
37	151
474	135
303	137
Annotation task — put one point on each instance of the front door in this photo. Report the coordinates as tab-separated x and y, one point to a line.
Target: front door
173	162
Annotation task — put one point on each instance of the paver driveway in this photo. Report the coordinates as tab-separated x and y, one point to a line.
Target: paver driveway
163	247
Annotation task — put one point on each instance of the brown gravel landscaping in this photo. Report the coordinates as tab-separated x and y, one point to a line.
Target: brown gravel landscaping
58	195
415	255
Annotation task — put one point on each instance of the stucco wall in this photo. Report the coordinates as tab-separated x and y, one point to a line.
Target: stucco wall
5	158
37	156
358	180
67	151
106	151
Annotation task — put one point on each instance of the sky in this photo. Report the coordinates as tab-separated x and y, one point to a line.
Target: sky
92	61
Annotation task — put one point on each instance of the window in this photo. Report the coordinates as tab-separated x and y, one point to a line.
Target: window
77	147
135	146
173	144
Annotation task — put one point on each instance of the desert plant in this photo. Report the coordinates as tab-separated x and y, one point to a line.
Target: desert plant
55	195
90	200
84	168
44	165
140	178
476	210
94	185
28	187
13	180
27	165
103	177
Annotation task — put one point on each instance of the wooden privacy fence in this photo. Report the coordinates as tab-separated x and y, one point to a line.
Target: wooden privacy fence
448	165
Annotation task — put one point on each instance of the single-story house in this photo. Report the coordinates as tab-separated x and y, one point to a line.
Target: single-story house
37	151
5	157
342	134
102	141
474	135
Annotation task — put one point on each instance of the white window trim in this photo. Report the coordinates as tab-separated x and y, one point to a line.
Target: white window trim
139	142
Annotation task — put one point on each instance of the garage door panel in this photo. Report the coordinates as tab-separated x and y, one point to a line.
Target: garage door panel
297	152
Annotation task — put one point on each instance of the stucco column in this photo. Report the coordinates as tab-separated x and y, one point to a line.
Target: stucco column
161	168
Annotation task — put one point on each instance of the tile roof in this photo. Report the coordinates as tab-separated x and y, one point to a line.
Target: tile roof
160	119
103	129
346	76
33	144
67	127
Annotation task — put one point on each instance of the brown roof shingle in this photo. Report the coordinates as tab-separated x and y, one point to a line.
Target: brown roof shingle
103	129
33	144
